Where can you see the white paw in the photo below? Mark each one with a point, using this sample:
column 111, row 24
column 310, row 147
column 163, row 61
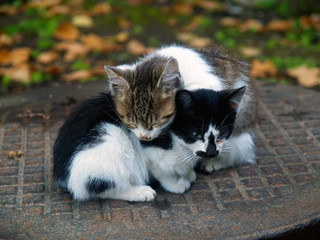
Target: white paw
column 180, row 186
column 142, row 194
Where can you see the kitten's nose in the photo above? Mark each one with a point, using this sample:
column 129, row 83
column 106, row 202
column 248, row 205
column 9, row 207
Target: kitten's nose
column 207, row 154
column 144, row 137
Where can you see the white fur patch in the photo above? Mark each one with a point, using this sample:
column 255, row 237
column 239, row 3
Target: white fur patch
column 195, row 72
column 118, row 158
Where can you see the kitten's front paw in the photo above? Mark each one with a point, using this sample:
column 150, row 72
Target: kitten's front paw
column 142, row 194
column 179, row 187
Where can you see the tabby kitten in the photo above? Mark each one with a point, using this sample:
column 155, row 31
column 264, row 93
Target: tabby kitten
column 147, row 110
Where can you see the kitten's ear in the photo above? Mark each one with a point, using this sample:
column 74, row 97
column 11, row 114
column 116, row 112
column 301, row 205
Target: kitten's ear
column 170, row 79
column 234, row 97
column 184, row 101
column 118, row 85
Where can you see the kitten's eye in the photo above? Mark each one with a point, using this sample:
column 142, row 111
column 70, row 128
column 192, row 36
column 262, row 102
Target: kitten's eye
column 197, row 134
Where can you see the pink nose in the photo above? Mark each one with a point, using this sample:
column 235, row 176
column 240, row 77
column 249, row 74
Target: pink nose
column 144, row 137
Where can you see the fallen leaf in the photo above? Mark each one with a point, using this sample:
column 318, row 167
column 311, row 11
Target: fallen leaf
column 172, row 22
column 77, row 75
column 5, row 40
column 280, row 25
column 209, row 5
column 43, row 3
column 251, row 24
column 8, row 10
column 20, row 73
column 262, row 69
column 47, row 57
column 4, row 56
column 19, row 55
column 100, row 9
column 82, row 21
column 59, row 9
column 308, row 77
column 54, row 70
column 194, row 24
column 230, row 22
column 200, row 42
column 250, row 51
column 194, row 40
column 122, row 37
column 136, row 47
column 67, row 31
column 123, row 23
column 73, row 50
column 185, row 8
column 93, row 41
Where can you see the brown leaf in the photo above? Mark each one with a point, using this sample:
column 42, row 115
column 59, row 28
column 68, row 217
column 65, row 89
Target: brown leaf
column 209, row 5
column 54, row 70
column 82, row 21
column 262, row 69
column 183, row 8
column 4, row 56
column 100, row 9
column 194, row 24
column 136, row 47
column 8, row 10
column 93, row 41
column 194, row 40
column 250, row 51
column 59, row 9
column 230, row 22
column 47, row 57
column 122, row 37
column 72, row 49
column 18, row 73
column 77, row 75
column 123, row 23
column 280, row 25
column 251, row 24
column 43, row 3
column 5, row 40
column 19, row 55
column 67, row 31
column 308, row 77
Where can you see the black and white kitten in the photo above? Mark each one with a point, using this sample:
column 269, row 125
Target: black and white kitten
column 95, row 155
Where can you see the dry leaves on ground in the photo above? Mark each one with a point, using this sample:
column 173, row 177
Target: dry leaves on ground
column 308, row 77
column 82, row 21
column 77, row 75
column 47, row 57
column 137, row 48
column 67, row 31
column 250, row 51
column 262, row 69
column 194, row 40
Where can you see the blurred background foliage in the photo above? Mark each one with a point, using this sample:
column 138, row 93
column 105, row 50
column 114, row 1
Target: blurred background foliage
column 45, row 41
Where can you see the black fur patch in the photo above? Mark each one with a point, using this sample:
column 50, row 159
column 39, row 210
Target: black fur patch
column 81, row 130
column 96, row 185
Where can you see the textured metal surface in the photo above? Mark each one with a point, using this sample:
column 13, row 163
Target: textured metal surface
column 279, row 193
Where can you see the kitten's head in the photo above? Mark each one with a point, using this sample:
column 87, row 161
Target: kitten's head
column 144, row 94
column 205, row 119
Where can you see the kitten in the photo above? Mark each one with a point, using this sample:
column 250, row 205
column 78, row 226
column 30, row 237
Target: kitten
column 203, row 124
column 147, row 111
column 96, row 156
